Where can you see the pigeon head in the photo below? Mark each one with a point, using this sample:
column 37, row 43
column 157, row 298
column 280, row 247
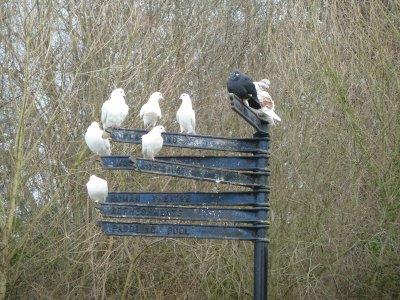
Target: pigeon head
column 266, row 81
column 235, row 75
column 156, row 96
column 184, row 97
column 96, row 124
column 93, row 177
column 158, row 129
column 118, row 92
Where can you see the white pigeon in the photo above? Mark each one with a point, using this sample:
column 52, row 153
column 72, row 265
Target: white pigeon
column 150, row 111
column 186, row 116
column 152, row 142
column 267, row 110
column 262, row 85
column 95, row 141
column 114, row 110
column 97, row 188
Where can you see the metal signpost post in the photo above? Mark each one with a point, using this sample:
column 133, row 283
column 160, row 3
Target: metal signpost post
column 165, row 210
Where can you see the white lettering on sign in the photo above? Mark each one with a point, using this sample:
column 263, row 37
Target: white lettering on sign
column 133, row 228
column 172, row 198
column 146, row 211
column 177, row 231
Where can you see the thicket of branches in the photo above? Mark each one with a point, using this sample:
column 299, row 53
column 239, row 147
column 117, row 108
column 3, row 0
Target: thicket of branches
column 334, row 71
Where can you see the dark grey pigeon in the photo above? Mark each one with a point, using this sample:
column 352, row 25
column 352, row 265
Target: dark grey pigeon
column 242, row 86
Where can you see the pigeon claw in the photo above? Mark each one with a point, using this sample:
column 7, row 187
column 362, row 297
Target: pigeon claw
column 133, row 160
column 186, row 133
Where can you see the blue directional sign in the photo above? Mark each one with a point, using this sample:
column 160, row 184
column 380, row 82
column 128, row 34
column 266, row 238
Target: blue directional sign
column 192, row 198
column 193, row 141
column 254, row 233
column 117, row 162
column 245, row 163
column 251, row 179
column 244, row 215
column 246, row 113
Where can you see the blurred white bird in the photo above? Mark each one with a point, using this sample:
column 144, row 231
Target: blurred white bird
column 97, row 188
column 114, row 110
column 152, row 142
column 186, row 116
column 262, row 85
column 267, row 110
column 150, row 111
column 95, row 141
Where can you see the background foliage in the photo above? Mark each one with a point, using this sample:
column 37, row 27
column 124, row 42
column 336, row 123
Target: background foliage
column 334, row 68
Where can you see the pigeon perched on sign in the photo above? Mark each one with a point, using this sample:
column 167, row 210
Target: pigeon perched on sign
column 150, row 111
column 95, row 141
column 243, row 87
column 152, row 142
column 97, row 188
column 267, row 110
column 114, row 110
column 186, row 116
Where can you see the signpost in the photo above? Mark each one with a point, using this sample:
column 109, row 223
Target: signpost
column 251, row 233
column 194, row 141
column 243, row 163
column 198, row 198
column 243, row 214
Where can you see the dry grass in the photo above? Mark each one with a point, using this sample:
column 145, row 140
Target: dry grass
column 334, row 68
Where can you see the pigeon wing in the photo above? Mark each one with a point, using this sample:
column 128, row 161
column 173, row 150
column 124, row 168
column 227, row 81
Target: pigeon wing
column 177, row 117
column 107, row 145
column 193, row 121
column 104, row 111
column 143, row 110
column 151, row 145
column 251, row 90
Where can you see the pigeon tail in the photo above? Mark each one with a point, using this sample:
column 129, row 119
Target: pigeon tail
column 273, row 115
